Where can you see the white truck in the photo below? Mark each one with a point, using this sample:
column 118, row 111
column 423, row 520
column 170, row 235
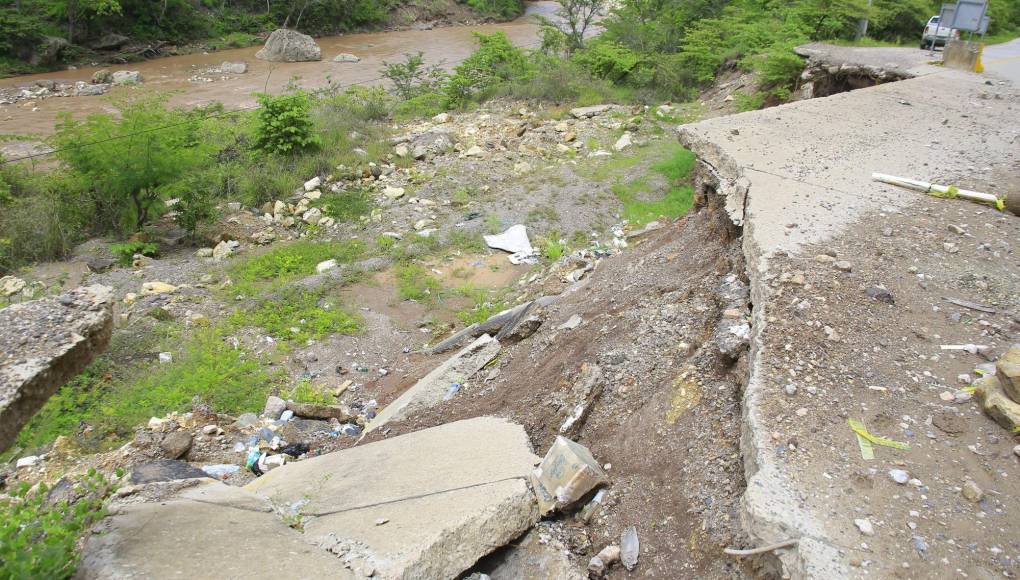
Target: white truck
column 935, row 35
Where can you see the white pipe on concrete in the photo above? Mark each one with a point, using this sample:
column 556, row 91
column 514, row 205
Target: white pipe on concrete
column 944, row 190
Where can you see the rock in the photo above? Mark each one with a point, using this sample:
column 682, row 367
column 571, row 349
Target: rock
column 880, row 294
column 474, row 151
column 899, row 476
column 43, row 344
column 538, row 554
column 102, row 77
column 561, row 148
column 843, row 266
column 176, row 444
column 325, row 265
column 286, row 45
column 97, row 264
column 393, row 192
column 204, row 253
column 313, row 183
column 567, row 473
column 623, row 142
column 111, row 41
column 573, row 322
column 997, row 404
column 164, row 470
column 1016, row 450
column 312, row 216
column 45, row 52
column 275, row 406
column 630, row 548
column 264, row 237
column 601, row 562
column 127, row 77
column 569, row 137
column 323, row 412
column 865, row 527
column 401, row 150
column 157, row 287
column 430, row 390
column 27, row 461
column 313, row 195
column 11, row 285
column 522, row 167
column 165, row 357
column 422, row 224
column 971, row 492
column 237, row 68
column 87, row 90
column 589, row 112
column 223, row 250
column 1007, row 370
column 211, row 430
column 346, row 57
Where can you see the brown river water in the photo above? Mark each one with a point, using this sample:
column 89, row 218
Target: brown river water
column 171, row 74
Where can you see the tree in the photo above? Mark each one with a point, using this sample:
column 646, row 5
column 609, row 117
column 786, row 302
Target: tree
column 576, row 16
column 75, row 11
column 125, row 163
column 412, row 77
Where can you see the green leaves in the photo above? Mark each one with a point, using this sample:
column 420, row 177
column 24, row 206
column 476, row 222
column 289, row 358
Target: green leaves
column 284, row 124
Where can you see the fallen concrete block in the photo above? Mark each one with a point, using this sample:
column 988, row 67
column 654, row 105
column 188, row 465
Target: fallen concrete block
column 449, row 495
column 431, row 389
column 997, row 404
column 567, row 473
column 323, row 412
column 43, row 344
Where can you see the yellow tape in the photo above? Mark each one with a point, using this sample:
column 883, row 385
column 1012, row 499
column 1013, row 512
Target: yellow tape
column 867, row 451
column 859, row 428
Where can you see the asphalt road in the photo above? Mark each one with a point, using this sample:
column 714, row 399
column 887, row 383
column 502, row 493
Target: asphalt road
column 1003, row 60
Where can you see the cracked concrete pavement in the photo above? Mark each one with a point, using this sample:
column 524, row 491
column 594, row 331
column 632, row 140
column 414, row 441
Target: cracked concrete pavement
column 800, row 174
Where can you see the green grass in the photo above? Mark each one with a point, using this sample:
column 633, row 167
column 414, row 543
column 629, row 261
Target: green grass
column 748, row 101
column 305, row 392
column 232, row 40
column 467, row 241
column 415, row 283
column 678, row 199
column 348, row 205
column 297, row 315
column 204, row 366
column 486, row 303
column 287, row 262
column 552, row 246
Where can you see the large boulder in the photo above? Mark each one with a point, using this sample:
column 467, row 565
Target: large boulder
column 286, row 45
column 47, row 52
column 111, row 41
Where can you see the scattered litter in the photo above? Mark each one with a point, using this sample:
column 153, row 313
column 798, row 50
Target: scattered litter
column 863, row 434
column 630, row 548
column 381, row 521
column 165, row 357
column 514, row 240
column 27, row 461
column 295, row 449
column 566, row 475
column 980, row 349
column 971, row 305
column 258, row 462
column 588, row 511
column 220, row 470
column 946, row 191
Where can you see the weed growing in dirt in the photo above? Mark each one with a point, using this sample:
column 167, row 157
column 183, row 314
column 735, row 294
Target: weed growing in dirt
column 599, row 171
column 678, row 199
column 297, row 315
column 749, row 101
column 40, row 537
column 126, row 252
column 348, row 205
column 493, row 223
column 466, row 241
column 286, row 262
column 546, row 213
column 552, row 246
column 415, row 283
column 305, row 392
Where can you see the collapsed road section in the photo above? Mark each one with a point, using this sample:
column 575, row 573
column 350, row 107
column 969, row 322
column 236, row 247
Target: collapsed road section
column 865, row 450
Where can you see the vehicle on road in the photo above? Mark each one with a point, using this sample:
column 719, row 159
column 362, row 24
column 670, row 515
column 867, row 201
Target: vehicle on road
column 939, row 35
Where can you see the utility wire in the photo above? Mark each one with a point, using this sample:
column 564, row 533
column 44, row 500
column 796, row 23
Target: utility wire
column 206, row 117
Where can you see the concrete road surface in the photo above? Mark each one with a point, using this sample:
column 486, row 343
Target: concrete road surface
column 1003, row 60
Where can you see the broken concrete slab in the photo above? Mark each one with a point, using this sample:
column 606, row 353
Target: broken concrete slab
column 431, row 389
column 449, row 495
column 43, row 343
column 207, row 530
column 501, row 324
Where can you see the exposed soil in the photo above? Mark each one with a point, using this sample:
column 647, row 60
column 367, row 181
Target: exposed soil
column 898, row 384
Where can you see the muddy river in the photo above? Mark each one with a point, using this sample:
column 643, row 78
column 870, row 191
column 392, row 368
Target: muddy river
column 173, row 74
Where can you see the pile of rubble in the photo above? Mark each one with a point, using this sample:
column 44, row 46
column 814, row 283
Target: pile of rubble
column 221, row 72
column 101, row 82
column 998, row 389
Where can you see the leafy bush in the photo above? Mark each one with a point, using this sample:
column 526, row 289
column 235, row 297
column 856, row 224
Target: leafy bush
column 305, row 392
column 748, row 101
column 608, row 60
column 349, row 204
column 499, row 9
column 495, row 61
column 124, row 163
column 40, row 536
column 778, row 67
column 284, row 124
column 286, row 262
column 412, row 78
column 126, row 252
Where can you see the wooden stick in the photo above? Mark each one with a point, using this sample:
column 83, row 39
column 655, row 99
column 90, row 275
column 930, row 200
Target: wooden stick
column 761, row 550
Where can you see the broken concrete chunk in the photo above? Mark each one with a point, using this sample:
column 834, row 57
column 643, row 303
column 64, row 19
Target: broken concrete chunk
column 450, row 495
column 323, row 412
column 431, row 389
column 43, row 343
column 164, row 470
column 630, row 548
column 1007, row 370
column 566, row 475
column 587, row 389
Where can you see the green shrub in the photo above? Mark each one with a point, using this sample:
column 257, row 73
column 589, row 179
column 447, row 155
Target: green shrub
column 233, row 40
column 43, row 219
column 348, row 205
column 305, row 392
column 412, row 78
column 284, row 124
column 748, row 101
column 415, row 283
column 498, row 9
column 608, row 60
column 778, row 67
column 286, row 262
column 495, row 61
column 40, row 537
column 297, row 315
column 126, row 251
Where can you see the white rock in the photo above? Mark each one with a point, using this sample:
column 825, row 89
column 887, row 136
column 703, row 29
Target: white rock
column 324, row 266
column 165, row 357
column 222, row 251
column 561, row 148
column 474, row 151
column 11, row 285
column 422, row 224
column 27, row 461
column 623, row 142
column 393, row 192
column 152, row 288
column 312, row 216
column 401, row 150
column 346, row 57
column 522, row 167
column 155, row 423
column 313, row 183
column 899, row 476
column 441, row 118
column 236, row 68
column 865, row 527
column 127, row 77
column 313, row 195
